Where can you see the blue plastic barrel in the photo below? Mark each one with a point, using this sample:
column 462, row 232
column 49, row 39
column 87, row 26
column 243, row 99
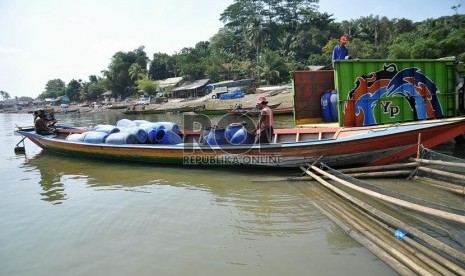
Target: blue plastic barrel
column 106, row 128
column 205, row 133
column 161, row 125
column 140, row 122
column 216, row 137
column 167, row 137
column 121, row 138
column 241, row 137
column 95, row 137
column 325, row 106
column 76, row 137
column 140, row 133
column 333, row 106
column 231, row 130
column 151, row 135
column 125, row 123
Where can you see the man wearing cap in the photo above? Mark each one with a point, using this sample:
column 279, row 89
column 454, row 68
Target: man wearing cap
column 341, row 51
column 264, row 128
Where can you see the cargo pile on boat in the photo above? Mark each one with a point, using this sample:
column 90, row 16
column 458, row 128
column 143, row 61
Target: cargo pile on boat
column 145, row 132
column 131, row 132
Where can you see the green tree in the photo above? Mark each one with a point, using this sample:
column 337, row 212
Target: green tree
column 190, row 64
column 256, row 34
column 136, row 72
column 5, row 95
column 269, row 66
column 162, row 66
column 73, row 90
column 53, row 89
column 147, row 86
column 118, row 79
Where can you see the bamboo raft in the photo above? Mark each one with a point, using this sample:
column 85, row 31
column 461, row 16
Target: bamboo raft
column 405, row 248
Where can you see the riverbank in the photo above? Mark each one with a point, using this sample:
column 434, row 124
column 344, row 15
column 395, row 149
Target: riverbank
column 274, row 95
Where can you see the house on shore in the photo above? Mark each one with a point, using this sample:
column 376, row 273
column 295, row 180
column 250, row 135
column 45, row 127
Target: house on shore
column 191, row 90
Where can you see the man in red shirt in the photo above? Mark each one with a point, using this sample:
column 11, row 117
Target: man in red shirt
column 264, row 128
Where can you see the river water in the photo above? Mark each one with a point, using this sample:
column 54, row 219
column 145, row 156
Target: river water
column 70, row 216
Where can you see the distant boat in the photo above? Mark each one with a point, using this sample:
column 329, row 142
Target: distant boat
column 75, row 110
column 256, row 112
column 116, row 106
column 224, row 111
column 220, row 111
column 160, row 111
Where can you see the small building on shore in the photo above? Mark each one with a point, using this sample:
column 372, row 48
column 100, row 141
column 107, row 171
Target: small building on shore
column 191, row 90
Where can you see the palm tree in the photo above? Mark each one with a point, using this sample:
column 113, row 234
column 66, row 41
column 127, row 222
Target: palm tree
column 136, row 72
column 255, row 33
column 270, row 61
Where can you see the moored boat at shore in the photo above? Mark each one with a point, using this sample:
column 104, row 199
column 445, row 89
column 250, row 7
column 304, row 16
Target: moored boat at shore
column 335, row 146
column 381, row 111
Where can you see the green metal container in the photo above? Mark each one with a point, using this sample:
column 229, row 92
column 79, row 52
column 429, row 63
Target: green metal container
column 372, row 92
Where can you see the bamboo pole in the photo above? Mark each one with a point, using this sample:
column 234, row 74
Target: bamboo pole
column 438, row 162
column 442, row 173
column 380, row 174
column 370, row 245
column 443, row 262
column 379, row 168
column 392, row 220
column 457, row 189
column 403, row 203
column 412, row 261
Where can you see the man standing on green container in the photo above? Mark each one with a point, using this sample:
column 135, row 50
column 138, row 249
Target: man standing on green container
column 341, row 51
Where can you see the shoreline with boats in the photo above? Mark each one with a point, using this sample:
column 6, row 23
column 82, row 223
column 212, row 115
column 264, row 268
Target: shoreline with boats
column 275, row 95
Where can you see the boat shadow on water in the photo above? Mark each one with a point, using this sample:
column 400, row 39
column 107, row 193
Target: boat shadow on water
column 56, row 172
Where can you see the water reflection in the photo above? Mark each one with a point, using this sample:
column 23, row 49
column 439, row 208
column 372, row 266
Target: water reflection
column 256, row 208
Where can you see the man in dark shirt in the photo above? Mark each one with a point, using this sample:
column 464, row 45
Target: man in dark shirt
column 41, row 125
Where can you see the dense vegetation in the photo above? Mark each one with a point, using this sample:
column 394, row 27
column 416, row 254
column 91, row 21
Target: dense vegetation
column 266, row 39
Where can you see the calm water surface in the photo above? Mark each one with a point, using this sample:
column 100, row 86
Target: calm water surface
column 68, row 216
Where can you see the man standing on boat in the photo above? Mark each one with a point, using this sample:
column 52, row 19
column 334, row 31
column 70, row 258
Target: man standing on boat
column 264, row 127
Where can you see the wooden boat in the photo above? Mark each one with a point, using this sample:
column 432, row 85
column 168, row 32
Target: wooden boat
column 74, row 110
column 116, row 106
column 223, row 111
column 385, row 115
column 144, row 111
column 256, row 112
column 335, row 146
column 160, row 111
column 212, row 111
column 283, row 111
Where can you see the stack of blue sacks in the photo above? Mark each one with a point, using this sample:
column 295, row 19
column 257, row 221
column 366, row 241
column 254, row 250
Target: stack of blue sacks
column 236, row 94
column 131, row 132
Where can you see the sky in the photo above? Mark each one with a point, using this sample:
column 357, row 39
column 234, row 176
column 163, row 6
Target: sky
column 42, row 40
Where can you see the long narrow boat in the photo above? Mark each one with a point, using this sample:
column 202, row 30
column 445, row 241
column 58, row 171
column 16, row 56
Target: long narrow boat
column 204, row 111
column 160, row 111
column 383, row 109
column 335, row 146
column 144, row 111
column 223, row 111
column 256, row 112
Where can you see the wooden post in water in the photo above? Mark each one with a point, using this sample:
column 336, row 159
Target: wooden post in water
column 418, row 145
